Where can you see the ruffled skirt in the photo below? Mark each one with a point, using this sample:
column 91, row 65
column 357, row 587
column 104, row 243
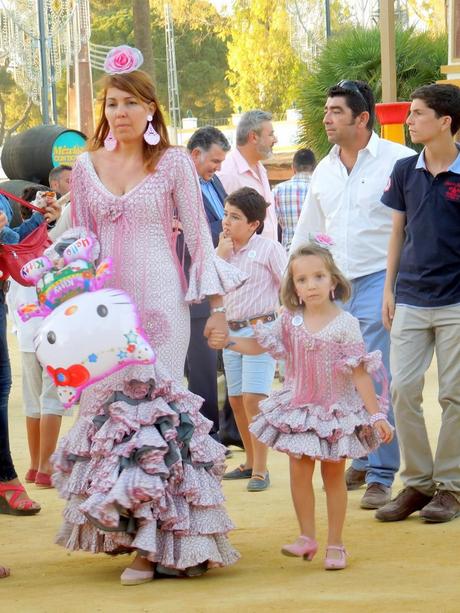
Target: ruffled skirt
column 144, row 475
column 342, row 431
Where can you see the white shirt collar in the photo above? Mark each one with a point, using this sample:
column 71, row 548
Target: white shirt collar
column 372, row 146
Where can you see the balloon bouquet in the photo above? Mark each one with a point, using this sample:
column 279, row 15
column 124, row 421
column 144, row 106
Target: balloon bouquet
column 138, row 468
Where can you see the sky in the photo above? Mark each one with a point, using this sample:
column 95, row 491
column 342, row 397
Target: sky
column 220, row 4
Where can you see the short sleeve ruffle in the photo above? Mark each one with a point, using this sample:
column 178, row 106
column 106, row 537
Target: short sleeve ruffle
column 216, row 277
column 357, row 355
column 271, row 339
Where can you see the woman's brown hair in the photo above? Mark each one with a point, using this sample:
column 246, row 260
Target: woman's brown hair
column 342, row 289
column 140, row 85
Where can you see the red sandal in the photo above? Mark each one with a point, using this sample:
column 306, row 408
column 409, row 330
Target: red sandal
column 15, row 505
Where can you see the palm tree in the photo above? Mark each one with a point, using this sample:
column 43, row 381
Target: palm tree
column 355, row 54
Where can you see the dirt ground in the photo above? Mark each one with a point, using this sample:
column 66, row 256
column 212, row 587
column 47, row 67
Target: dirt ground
column 407, row 566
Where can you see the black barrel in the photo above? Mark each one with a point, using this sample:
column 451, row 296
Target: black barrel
column 31, row 155
column 16, row 188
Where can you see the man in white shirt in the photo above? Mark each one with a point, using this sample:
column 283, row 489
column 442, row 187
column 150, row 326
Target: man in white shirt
column 242, row 167
column 344, row 201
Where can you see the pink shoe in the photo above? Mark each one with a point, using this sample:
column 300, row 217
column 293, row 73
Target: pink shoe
column 131, row 576
column 43, row 480
column 304, row 546
column 30, row 475
column 335, row 563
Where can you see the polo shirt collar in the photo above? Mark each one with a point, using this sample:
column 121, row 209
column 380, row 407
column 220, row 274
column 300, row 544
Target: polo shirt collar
column 372, row 146
column 454, row 167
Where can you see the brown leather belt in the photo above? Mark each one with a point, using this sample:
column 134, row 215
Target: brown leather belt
column 244, row 323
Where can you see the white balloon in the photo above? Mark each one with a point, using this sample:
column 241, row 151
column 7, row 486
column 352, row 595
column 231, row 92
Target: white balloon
column 89, row 337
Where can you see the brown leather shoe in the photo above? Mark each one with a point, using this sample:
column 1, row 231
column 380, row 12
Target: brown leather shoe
column 375, row 496
column 444, row 506
column 355, row 478
column 406, row 502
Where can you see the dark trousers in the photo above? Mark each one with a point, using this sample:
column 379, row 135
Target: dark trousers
column 201, row 371
column 229, row 434
column 7, row 472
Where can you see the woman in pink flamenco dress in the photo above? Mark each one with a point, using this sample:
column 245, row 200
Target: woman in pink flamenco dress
column 132, row 189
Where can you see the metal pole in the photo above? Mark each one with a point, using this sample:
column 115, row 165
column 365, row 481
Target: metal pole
column 54, row 108
column 327, row 7
column 173, row 87
column 43, row 62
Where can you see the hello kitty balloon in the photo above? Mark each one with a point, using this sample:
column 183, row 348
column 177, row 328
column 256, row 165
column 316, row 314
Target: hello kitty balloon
column 87, row 332
column 89, row 337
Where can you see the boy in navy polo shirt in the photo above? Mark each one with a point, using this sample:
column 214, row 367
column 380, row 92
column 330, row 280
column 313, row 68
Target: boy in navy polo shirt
column 422, row 304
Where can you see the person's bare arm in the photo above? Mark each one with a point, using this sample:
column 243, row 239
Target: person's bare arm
column 394, row 254
column 366, row 390
column 247, row 346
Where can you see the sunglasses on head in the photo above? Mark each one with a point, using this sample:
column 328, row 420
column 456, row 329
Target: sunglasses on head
column 351, row 86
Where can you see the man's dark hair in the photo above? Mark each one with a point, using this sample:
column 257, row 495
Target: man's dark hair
column 28, row 194
column 303, row 160
column 204, row 138
column 56, row 172
column 444, row 99
column 250, row 203
column 359, row 98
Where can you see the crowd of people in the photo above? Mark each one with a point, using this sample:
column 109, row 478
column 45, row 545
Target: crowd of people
column 346, row 278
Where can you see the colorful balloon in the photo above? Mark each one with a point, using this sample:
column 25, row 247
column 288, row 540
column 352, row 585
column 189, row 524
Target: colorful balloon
column 87, row 332
column 89, row 337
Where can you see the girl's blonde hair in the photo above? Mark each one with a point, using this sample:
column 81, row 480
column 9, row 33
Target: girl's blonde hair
column 342, row 288
column 139, row 84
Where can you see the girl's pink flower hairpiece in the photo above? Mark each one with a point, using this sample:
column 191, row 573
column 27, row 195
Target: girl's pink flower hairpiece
column 123, row 59
column 322, row 240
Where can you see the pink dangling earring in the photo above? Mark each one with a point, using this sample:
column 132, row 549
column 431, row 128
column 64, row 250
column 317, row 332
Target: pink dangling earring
column 300, row 301
column 110, row 142
column 332, row 294
column 151, row 136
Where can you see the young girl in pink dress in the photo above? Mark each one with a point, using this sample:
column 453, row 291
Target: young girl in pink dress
column 327, row 409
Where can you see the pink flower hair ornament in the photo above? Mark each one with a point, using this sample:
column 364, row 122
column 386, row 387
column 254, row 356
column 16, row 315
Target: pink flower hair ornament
column 322, row 240
column 123, row 59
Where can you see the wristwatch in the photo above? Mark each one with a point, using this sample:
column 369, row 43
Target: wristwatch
column 221, row 309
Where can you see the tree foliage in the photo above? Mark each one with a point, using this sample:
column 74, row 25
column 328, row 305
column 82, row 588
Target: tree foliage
column 200, row 51
column 263, row 67
column 355, row 54
column 16, row 111
column 432, row 13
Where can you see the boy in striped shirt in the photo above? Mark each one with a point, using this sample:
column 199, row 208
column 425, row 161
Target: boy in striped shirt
column 250, row 378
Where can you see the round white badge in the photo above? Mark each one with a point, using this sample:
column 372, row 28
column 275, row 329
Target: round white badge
column 252, row 254
column 297, row 320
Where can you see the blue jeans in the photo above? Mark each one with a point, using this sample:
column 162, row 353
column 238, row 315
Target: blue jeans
column 7, row 472
column 366, row 305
